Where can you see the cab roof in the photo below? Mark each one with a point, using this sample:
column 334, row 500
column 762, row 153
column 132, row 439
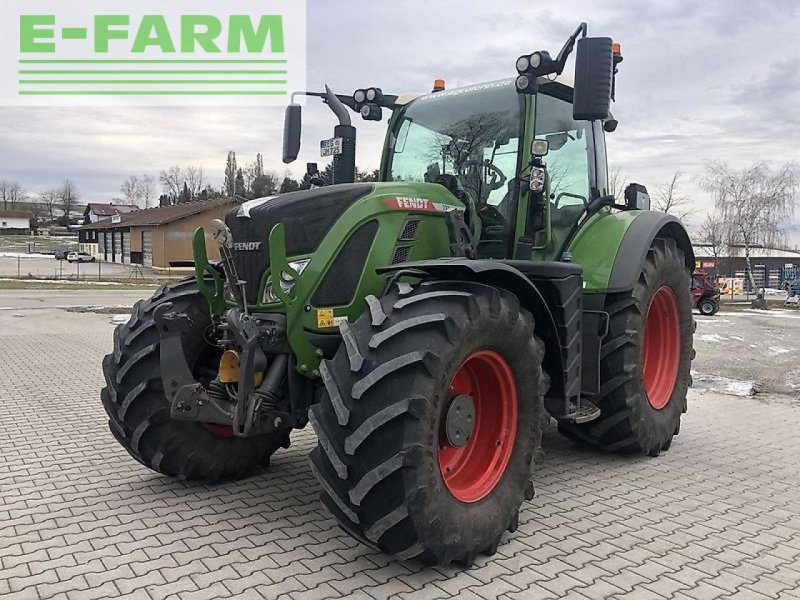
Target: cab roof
column 565, row 82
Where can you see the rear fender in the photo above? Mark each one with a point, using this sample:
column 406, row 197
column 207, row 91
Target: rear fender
column 636, row 242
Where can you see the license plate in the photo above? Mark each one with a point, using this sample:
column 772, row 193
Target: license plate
column 330, row 147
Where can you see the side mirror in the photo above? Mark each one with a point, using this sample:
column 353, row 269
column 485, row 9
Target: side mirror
column 594, row 77
column 636, row 197
column 292, row 127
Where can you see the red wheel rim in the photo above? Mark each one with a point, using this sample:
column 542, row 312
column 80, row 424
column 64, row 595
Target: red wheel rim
column 220, row 430
column 473, row 470
column 661, row 350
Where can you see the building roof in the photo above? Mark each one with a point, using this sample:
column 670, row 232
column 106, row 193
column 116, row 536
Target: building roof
column 110, row 209
column 702, row 250
column 161, row 215
column 15, row 214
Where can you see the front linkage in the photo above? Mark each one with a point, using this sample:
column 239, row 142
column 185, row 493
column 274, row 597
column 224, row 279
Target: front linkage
column 259, row 349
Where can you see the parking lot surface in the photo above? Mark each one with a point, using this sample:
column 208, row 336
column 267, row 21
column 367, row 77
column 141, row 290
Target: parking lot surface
column 715, row 517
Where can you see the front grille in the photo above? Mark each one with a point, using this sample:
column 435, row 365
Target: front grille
column 307, row 216
column 410, row 230
column 401, row 254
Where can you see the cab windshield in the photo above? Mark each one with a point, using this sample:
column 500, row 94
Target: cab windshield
column 467, row 140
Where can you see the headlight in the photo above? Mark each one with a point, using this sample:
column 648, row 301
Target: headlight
column 287, row 283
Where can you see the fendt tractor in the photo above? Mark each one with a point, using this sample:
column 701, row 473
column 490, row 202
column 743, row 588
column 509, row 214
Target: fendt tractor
column 427, row 325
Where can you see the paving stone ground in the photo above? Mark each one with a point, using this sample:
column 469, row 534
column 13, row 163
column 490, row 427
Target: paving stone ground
column 715, row 517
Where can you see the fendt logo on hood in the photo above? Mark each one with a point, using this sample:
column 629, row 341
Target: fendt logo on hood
column 247, row 246
column 418, row 204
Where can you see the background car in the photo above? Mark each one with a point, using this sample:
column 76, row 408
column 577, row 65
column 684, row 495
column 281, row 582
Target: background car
column 80, row 257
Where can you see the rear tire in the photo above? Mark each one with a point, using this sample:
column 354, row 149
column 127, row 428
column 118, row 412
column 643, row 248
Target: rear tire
column 386, row 474
column 641, row 401
column 139, row 412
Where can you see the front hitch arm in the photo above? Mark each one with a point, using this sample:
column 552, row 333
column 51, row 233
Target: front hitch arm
column 247, row 335
column 187, row 396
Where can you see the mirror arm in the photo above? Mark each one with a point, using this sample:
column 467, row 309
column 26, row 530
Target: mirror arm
column 336, row 105
column 561, row 59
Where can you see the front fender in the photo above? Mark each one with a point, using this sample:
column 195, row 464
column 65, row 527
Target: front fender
column 560, row 330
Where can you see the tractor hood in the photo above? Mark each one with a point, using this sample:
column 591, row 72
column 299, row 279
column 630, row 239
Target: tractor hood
column 307, row 216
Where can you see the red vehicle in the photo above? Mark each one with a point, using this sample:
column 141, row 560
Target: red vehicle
column 705, row 293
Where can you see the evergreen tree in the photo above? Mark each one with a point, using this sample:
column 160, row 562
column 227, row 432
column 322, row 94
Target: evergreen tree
column 259, row 171
column 230, row 174
column 289, row 185
column 186, row 195
column 265, row 185
column 240, row 189
column 327, row 174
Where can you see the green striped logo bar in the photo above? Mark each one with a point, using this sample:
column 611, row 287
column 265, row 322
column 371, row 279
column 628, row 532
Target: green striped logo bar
column 151, row 53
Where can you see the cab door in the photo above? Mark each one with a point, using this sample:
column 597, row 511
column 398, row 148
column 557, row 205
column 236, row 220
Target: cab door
column 576, row 168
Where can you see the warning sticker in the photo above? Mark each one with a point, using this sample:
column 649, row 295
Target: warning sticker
column 325, row 318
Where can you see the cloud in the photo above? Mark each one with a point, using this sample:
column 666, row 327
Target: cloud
column 700, row 81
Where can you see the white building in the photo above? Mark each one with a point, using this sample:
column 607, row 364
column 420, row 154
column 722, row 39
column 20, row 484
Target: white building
column 15, row 221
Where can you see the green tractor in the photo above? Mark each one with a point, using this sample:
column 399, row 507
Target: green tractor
column 427, row 325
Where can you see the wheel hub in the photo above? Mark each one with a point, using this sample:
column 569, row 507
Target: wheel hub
column 460, row 420
column 661, row 348
column 478, row 427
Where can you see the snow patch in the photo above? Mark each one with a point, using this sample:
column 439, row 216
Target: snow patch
column 65, row 281
column 120, row 319
column 713, row 338
column 22, row 255
column 775, row 313
column 776, row 350
column 723, row 385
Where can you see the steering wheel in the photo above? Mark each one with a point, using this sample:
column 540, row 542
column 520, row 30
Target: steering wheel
column 498, row 179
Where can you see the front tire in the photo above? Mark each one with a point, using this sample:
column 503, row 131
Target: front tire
column 707, row 308
column 139, row 412
column 645, row 360
column 395, row 469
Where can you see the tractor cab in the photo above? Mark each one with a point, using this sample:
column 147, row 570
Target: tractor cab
column 471, row 140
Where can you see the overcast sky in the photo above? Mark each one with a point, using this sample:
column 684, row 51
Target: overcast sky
column 700, row 81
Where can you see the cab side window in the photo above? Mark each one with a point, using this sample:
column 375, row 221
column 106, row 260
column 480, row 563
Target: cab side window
column 570, row 162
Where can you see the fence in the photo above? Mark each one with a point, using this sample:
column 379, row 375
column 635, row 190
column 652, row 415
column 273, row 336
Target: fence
column 45, row 267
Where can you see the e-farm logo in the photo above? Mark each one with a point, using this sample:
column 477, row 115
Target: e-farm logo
column 148, row 52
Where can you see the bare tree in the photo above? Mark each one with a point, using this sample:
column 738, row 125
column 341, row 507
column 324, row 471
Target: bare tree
column 11, row 192
column 668, row 198
column 131, row 190
column 49, row 199
column 195, row 181
column 147, row 190
column 616, row 181
column 36, row 209
column 250, row 173
column 172, row 183
column 755, row 203
column 713, row 232
column 67, row 197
